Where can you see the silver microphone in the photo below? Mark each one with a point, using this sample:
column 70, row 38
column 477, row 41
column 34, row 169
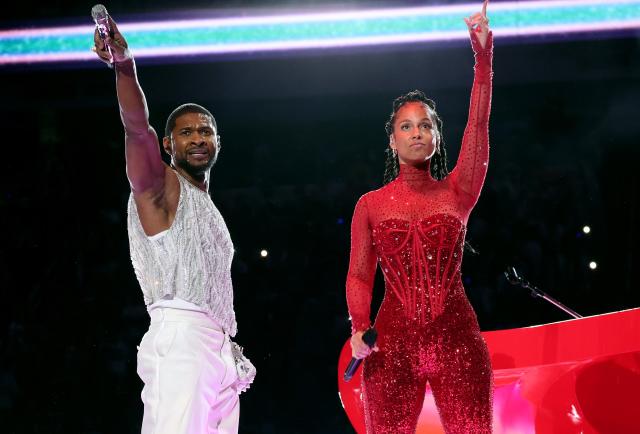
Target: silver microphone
column 101, row 18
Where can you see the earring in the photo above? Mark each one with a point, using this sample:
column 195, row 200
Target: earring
column 394, row 151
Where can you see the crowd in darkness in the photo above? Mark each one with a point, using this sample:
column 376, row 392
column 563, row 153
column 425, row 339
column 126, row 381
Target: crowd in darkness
column 289, row 174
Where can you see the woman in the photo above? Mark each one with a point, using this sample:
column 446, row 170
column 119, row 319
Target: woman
column 414, row 227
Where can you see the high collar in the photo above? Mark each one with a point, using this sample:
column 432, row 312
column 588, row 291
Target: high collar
column 416, row 176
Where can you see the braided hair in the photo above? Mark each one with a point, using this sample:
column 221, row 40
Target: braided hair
column 438, row 161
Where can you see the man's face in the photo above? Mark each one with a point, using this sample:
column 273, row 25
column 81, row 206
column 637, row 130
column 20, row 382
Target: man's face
column 193, row 144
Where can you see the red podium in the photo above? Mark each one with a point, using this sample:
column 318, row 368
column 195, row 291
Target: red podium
column 580, row 376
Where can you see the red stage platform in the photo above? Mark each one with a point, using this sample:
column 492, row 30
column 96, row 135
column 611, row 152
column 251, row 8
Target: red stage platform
column 579, row 376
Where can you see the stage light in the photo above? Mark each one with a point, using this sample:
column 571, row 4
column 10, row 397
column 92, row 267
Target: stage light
column 264, row 253
column 586, row 229
column 593, row 265
column 250, row 34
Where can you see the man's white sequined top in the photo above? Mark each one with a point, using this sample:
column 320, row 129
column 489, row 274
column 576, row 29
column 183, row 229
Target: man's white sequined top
column 191, row 260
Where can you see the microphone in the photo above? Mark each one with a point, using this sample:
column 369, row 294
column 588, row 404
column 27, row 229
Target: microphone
column 512, row 276
column 101, row 18
column 369, row 337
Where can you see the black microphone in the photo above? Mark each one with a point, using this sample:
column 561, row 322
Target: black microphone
column 101, row 18
column 369, row 337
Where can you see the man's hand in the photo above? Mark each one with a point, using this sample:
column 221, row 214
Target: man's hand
column 478, row 23
column 115, row 43
column 359, row 349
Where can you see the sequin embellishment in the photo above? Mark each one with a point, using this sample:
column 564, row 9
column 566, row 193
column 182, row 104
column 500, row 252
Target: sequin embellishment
column 420, row 260
column 414, row 228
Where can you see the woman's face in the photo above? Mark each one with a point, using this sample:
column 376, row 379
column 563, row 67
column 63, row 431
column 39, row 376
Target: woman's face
column 414, row 136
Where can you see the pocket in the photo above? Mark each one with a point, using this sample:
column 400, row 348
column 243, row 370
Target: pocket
column 164, row 339
column 144, row 357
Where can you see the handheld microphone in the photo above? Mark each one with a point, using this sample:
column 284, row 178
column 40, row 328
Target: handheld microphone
column 369, row 337
column 101, row 18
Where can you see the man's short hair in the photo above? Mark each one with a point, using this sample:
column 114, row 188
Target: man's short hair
column 186, row 108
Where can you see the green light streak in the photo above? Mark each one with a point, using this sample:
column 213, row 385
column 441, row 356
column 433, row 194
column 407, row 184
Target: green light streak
column 335, row 29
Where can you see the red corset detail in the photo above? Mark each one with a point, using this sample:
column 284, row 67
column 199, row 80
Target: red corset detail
column 420, row 260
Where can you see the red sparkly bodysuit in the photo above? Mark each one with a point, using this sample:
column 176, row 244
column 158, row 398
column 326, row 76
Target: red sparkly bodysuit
column 414, row 228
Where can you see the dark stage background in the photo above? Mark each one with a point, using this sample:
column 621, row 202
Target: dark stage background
column 302, row 138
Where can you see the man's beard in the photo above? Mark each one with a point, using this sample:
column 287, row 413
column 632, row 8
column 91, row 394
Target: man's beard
column 200, row 170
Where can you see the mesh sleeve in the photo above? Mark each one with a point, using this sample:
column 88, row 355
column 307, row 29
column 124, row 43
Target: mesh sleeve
column 362, row 268
column 471, row 168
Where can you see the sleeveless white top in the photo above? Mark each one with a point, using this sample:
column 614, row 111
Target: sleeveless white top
column 190, row 261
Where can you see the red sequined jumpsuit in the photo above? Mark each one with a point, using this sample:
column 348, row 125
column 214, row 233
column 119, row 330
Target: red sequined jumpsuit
column 414, row 227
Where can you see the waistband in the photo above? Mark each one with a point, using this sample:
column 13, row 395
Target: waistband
column 201, row 319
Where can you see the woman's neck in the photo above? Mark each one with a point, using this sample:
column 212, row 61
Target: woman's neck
column 416, row 176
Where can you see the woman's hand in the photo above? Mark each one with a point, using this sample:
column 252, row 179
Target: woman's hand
column 359, row 349
column 478, row 23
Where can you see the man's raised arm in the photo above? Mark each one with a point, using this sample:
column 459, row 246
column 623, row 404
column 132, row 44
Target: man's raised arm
column 145, row 169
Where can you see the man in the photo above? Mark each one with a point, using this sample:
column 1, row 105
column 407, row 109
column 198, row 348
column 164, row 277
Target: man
column 181, row 253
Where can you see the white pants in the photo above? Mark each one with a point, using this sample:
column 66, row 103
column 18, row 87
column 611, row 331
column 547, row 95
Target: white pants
column 189, row 374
